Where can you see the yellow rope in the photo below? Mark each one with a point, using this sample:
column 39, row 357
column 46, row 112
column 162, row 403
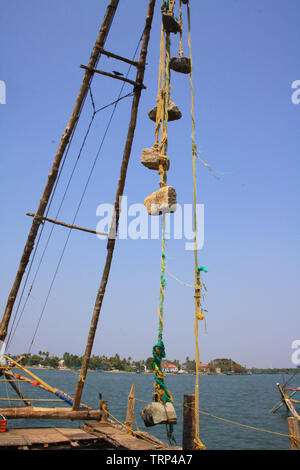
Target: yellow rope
column 253, row 428
column 160, row 94
column 161, row 145
column 171, row 7
column 180, row 22
column 198, row 314
column 247, row 426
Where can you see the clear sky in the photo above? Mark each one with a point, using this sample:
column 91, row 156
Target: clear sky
column 246, row 57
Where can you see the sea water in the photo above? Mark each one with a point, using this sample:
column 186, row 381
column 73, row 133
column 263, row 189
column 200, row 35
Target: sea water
column 234, row 409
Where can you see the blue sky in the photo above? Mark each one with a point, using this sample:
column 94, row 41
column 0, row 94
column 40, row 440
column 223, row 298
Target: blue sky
column 246, row 58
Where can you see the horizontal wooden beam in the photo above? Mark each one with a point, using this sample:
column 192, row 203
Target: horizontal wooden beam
column 31, row 412
column 111, row 75
column 118, row 57
column 75, row 227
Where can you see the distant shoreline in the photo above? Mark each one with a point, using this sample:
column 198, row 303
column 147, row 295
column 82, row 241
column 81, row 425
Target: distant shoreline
column 274, row 371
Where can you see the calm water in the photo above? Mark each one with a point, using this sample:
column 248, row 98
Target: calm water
column 244, row 399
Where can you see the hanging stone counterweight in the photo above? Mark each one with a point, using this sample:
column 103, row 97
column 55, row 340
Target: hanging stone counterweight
column 173, row 112
column 180, row 64
column 162, row 201
column 157, row 413
column 152, row 159
column 171, row 25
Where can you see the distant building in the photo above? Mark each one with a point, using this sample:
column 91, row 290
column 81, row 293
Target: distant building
column 167, row 367
column 204, row 368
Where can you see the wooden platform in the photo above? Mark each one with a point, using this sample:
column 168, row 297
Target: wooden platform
column 117, row 437
column 46, row 438
column 93, row 435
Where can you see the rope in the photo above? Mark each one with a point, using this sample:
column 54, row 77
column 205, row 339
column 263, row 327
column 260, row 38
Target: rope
column 198, row 314
column 161, row 393
column 180, row 22
column 247, row 426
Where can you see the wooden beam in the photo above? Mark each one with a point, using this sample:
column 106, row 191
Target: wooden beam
column 52, row 177
column 130, row 409
column 291, row 408
column 118, row 198
column 118, row 57
column 117, row 77
column 188, row 431
column 75, row 227
column 31, row 412
column 16, row 389
column 104, row 409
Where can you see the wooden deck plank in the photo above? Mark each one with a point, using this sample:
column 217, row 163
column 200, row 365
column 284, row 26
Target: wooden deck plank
column 119, row 438
column 92, row 433
column 43, row 436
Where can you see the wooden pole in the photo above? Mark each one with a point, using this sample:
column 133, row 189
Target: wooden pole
column 111, row 75
column 286, row 399
column 119, row 193
column 31, row 412
column 103, row 408
column 294, row 433
column 17, row 389
column 103, row 33
column 75, row 227
column 130, row 409
column 189, row 428
column 118, row 57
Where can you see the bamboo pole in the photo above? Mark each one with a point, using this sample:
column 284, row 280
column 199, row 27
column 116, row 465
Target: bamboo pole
column 130, row 409
column 64, row 224
column 118, row 57
column 41, row 383
column 31, row 412
column 119, row 193
column 17, row 390
column 111, row 75
column 102, row 35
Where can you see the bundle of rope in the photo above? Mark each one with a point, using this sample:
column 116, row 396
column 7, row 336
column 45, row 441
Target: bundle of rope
column 161, row 392
column 157, row 160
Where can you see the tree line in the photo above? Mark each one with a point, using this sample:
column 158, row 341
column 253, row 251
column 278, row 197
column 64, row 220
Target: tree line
column 73, row 361
column 105, row 363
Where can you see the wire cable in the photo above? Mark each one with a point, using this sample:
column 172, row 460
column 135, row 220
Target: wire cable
column 115, row 103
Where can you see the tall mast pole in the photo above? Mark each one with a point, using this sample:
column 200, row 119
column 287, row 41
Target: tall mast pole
column 95, row 55
column 118, row 197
